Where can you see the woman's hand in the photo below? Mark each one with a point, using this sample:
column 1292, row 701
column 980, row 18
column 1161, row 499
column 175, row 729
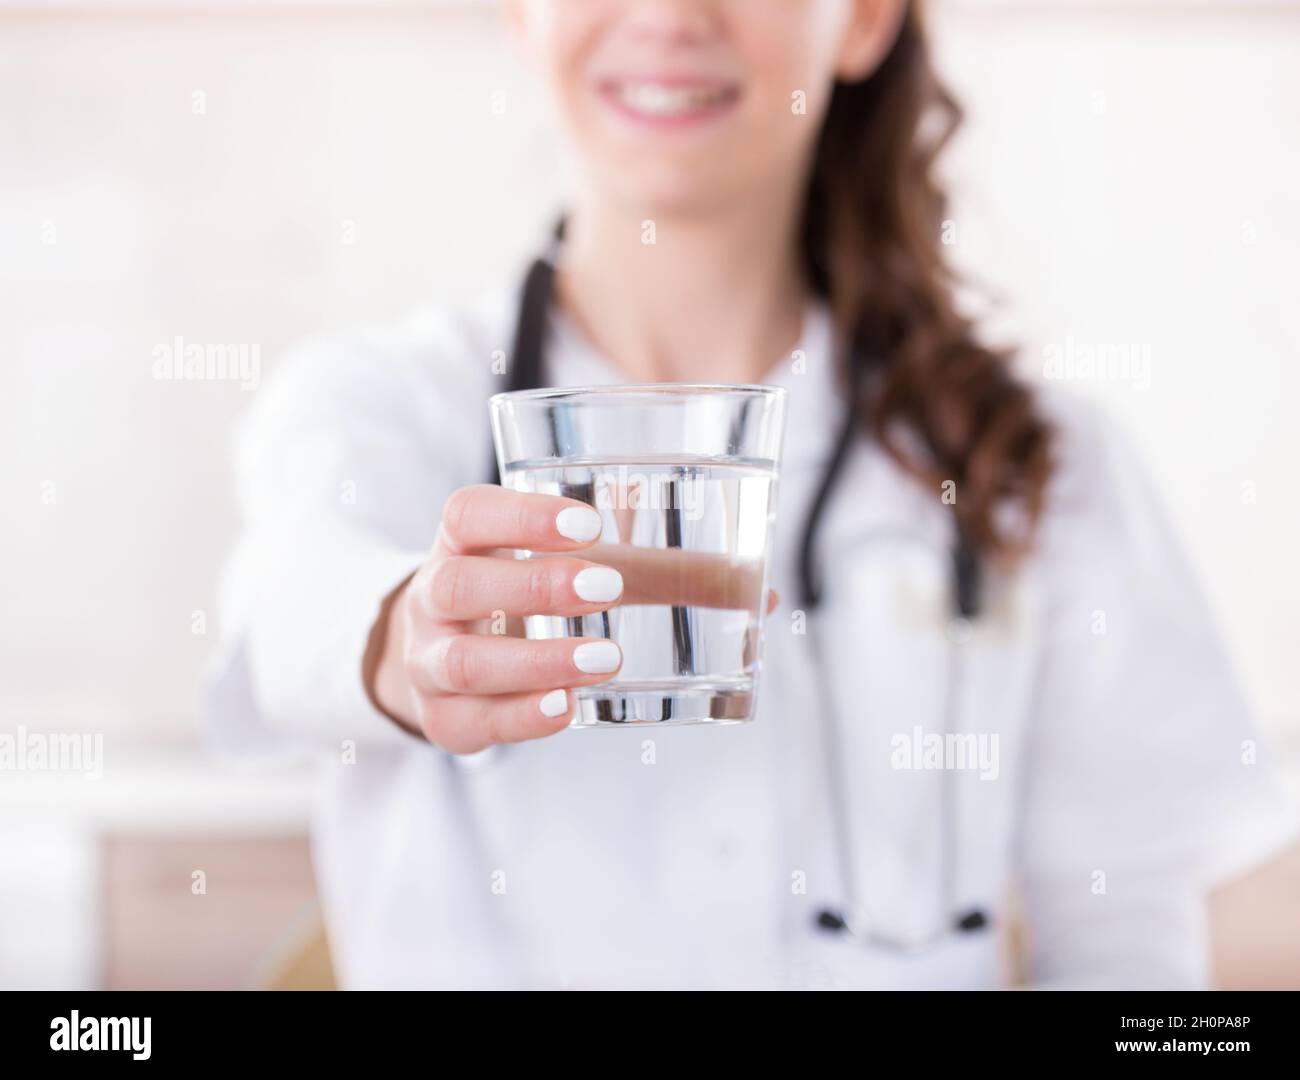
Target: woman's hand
column 432, row 667
column 465, row 690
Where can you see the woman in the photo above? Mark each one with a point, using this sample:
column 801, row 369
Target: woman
column 757, row 205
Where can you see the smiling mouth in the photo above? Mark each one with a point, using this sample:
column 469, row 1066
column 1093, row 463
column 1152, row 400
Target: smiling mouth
column 669, row 102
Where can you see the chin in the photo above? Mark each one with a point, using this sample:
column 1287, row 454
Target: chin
column 671, row 192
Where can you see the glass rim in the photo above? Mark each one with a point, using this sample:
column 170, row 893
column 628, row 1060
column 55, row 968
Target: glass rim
column 630, row 390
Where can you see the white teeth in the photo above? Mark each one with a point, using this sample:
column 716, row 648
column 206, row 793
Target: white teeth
column 654, row 99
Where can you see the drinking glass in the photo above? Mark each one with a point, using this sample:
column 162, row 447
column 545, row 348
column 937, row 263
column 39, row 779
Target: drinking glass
column 684, row 478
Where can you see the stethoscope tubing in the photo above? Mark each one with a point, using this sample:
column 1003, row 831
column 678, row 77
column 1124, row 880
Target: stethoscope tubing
column 526, row 371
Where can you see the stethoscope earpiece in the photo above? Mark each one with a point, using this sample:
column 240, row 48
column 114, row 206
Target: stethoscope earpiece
column 834, row 922
column 830, row 920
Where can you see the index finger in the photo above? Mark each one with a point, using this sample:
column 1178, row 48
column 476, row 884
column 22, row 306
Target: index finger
column 680, row 578
column 483, row 517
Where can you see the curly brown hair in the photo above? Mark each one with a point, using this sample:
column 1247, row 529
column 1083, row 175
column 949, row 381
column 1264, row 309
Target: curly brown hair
column 873, row 248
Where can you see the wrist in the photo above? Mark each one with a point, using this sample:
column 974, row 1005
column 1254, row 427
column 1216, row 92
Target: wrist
column 383, row 673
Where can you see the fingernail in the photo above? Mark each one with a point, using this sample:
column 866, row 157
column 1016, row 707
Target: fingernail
column 556, row 703
column 580, row 523
column 597, row 657
column 598, row 584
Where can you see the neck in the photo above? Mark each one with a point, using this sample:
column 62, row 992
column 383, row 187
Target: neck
column 714, row 298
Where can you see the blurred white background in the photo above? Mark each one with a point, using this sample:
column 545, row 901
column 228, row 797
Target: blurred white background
column 252, row 174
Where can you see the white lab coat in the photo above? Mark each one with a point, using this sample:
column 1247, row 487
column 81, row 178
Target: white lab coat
column 698, row 856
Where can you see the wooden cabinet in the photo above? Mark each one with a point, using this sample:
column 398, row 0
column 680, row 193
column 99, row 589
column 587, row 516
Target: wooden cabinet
column 203, row 911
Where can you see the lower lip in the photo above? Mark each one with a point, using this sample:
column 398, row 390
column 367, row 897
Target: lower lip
column 689, row 118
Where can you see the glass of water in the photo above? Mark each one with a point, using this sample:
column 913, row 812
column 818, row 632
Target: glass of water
column 684, row 478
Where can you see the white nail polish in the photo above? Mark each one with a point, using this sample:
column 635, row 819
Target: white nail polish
column 597, row 657
column 556, row 703
column 598, row 584
column 580, row 523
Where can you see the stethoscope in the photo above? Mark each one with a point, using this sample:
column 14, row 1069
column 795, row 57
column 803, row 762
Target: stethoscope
column 852, row 921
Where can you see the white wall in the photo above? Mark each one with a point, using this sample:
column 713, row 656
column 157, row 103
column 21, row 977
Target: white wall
column 1131, row 175
column 1128, row 175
